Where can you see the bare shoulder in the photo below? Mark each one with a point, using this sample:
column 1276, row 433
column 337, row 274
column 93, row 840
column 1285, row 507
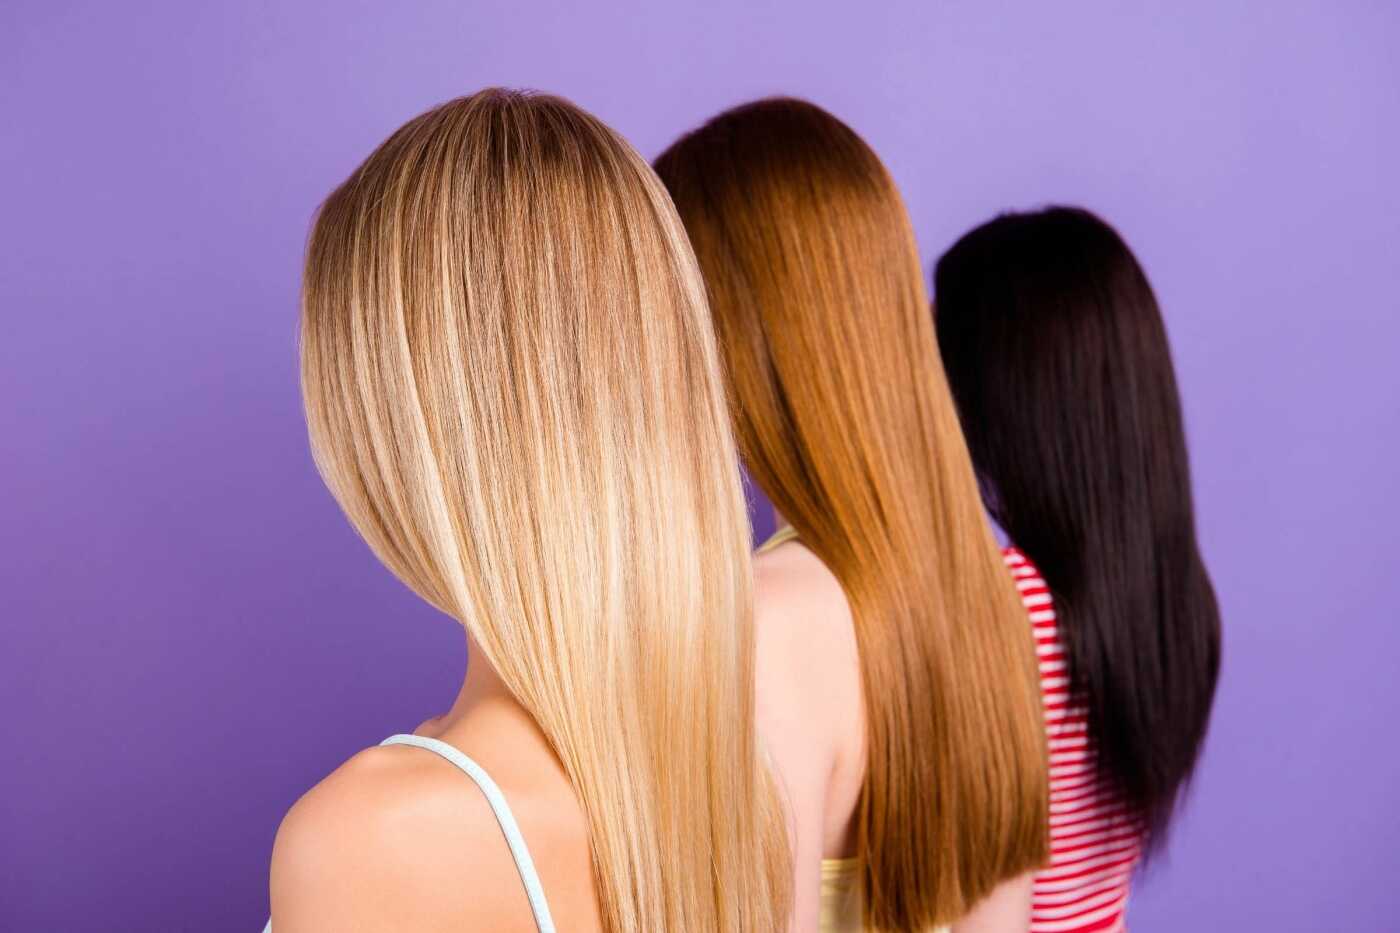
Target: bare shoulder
column 807, row 659
column 809, row 706
column 800, row 607
column 395, row 838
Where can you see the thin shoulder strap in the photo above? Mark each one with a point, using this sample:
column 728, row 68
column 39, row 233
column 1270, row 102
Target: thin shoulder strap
column 782, row 536
column 523, row 863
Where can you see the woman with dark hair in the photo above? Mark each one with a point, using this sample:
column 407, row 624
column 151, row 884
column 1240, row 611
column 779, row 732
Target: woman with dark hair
column 1058, row 360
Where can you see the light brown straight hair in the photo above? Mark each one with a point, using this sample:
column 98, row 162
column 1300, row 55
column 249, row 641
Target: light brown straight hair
column 845, row 419
column 513, row 390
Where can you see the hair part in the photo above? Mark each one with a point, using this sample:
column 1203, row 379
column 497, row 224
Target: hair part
column 1058, row 357
column 845, row 420
column 513, row 390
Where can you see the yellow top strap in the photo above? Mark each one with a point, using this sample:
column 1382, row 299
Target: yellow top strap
column 782, row 536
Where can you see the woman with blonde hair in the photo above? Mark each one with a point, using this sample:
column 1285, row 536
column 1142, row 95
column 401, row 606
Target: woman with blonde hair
column 514, row 393
column 897, row 673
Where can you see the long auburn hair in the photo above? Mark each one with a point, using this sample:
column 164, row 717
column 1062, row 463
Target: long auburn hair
column 1058, row 358
column 845, row 420
column 514, row 392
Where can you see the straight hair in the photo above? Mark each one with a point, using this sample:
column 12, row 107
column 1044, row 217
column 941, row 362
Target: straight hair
column 1059, row 361
column 513, row 390
column 845, row 420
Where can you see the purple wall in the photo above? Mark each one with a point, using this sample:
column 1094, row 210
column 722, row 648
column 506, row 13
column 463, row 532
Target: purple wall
column 190, row 635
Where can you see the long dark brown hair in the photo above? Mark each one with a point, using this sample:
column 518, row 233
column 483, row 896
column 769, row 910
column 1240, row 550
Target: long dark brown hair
column 845, row 419
column 1058, row 358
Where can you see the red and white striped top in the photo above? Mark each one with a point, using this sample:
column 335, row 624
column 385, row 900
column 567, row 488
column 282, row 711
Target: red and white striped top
column 1094, row 842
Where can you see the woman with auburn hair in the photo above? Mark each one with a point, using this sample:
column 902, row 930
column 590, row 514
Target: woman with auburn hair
column 1058, row 357
column 897, row 677
column 514, row 393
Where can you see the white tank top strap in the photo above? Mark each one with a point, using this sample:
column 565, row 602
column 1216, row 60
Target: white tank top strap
column 497, row 801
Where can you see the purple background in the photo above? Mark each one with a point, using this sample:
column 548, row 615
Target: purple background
column 190, row 635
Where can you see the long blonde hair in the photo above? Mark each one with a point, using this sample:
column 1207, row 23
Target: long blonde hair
column 845, row 419
column 514, row 392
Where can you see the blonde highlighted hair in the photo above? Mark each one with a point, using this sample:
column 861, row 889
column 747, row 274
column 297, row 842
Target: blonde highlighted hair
column 514, row 392
column 846, row 421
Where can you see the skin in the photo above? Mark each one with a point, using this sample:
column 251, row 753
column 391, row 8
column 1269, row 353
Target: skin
column 399, row 839
column 810, row 710
column 811, row 716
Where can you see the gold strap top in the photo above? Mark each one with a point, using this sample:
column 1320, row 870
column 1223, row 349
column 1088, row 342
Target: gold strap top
column 782, row 536
column 842, row 900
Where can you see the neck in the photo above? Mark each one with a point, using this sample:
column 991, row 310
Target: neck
column 489, row 723
column 482, row 685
